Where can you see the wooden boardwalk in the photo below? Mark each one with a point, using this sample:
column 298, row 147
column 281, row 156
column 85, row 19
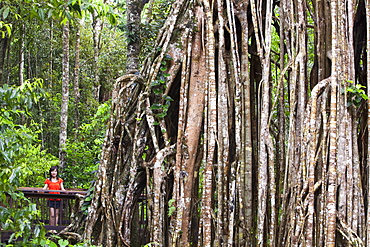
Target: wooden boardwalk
column 39, row 197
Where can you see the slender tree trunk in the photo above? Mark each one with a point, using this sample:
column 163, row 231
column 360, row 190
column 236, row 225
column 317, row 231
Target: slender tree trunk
column 21, row 56
column 368, row 112
column 266, row 177
column 134, row 8
column 210, row 126
column 4, row 45
column 65, row 96
column 76, row 79
column 51, row 56
column 3, row 48
column 97, row 26
column 243, row 126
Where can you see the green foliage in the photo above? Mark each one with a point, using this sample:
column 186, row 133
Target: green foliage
column 87, row 202
column 355, row 94
column 34, row 164
column 82, row 163
column 154, row 17
column 56, row 9
column 5, row 29
column 83, row 153
column 171, row 207
column 14, row 104
column 36, row 26
column 58, row 242
column 158, row 87
column 112, row 57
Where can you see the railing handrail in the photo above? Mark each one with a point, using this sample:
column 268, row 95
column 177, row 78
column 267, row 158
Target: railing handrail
column 41, row 193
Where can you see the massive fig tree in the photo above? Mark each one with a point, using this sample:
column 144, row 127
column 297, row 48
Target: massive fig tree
column 246, row 126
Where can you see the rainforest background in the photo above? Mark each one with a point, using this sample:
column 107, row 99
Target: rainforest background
column 241, row 123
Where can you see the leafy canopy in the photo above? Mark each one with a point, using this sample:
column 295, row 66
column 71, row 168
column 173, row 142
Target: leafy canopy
column 15, row 103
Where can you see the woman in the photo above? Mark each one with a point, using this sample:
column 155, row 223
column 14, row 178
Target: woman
column 54, row 182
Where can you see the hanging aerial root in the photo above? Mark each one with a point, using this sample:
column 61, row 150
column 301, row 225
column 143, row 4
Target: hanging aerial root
column 77, row 216
column 347, row 233
column 126, row 81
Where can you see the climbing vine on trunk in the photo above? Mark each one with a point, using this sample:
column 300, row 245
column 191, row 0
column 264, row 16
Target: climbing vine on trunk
column 241, row 129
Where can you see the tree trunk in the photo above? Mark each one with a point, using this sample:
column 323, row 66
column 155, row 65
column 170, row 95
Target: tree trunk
column 4, row 45
column 243, row 133
column 234, row 134
column 134, row 8
column 21, row 56
column 368, row 113
column 97, row 26
column 76, row 79
column 188, row 148
column 65, row 96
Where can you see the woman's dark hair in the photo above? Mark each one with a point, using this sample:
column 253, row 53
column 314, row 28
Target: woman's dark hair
column 52, row 169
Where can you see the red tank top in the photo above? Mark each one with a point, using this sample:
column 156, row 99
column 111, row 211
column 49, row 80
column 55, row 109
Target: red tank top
column 54, row 186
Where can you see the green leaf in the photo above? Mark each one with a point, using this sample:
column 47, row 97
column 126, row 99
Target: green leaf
column 63, row 242
column 162, row 115
column 168, row 57
column 112, row 19
column 50, row 13
column 6, row 11
column 41, row 14
column 167, row 98
column 171, row 210
column 156, row 106
column 157, row 91
column 64, row 21
column 155, row 83
column 14, row 175
column 36, row 231
column 52, row 244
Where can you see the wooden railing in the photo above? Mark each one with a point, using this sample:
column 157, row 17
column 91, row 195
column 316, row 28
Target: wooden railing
column 68, row 200
column 40, row 197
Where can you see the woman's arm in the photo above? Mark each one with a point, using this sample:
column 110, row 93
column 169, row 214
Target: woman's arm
column 45, row 187
column 62, row 186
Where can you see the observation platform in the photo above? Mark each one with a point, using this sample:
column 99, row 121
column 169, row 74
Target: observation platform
column 40, row 196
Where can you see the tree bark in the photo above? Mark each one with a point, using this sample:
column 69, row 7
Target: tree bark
column 251, row 151
column 4, row 45
column 21, row 56
column 368, row 111
column 76, row 79
column 65, row 97
column 243, row 130
column 134, row 8
column 189, row 146
column 97, row 27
